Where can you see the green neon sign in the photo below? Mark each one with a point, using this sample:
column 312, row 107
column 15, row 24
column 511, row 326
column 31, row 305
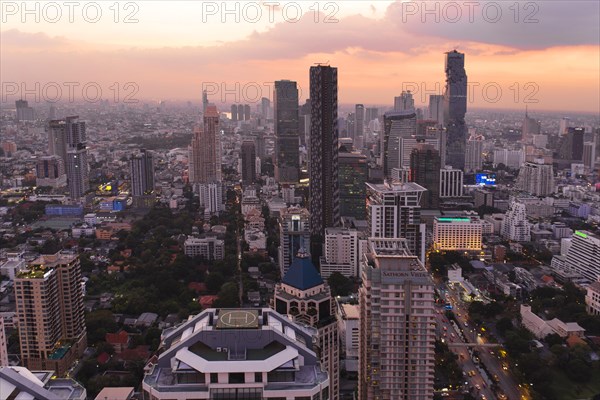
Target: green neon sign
column 581, row 234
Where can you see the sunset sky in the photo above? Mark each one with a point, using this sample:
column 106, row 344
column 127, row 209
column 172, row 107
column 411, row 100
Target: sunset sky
column 379, row 47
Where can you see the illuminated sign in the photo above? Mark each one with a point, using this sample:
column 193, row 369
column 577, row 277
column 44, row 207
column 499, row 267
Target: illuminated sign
column 581, row 234
column 484, row 179
column 445, row 219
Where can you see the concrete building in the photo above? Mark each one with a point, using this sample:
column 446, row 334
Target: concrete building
column 474, row 153
column 3, row 345
column 451, row 183
column 397, row 322
column 19, row 383
column 349, row 328
column 208, row 247
column 592, row 298
column 353, row 173
column 537, row 179
column 541, row 328
column 50, row 171
column 510, row 158
column 436, row 108
column 425, row 165
column 211, row 198
column 394, row 211
column 455, row 108
column 240, row 354
column 583, row 256
column 50, row 312
column 306, row 299
column 248, row 162
column 341, row 252
column 515, row 226
column 462, row 233
column 294, row 234
column 141, row 168
column 397, row 125
column 205, row 150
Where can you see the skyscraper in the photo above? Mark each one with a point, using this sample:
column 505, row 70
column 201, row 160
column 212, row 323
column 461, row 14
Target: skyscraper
column 76, row 157
column 306, row 298
column 287, row 155
column 248, row 158
column 473, row 155
column 323, row 167
column 24, row 112
column 397, row 333
column 359, row 124
column 530, row 127
column 265, row 106
column 141, row 167
column 425, row 170
column 396, row 126
column 353, row 173
column 404, row 102
column 583, row 257
column 436, row 108
column 515, row 226
column 536, row 178
column 394, row 211
column 455, row 108
column 50, row 171
column 589, row 155
column 234, row 112
column 246, row 112
column 50, row 312
column 571, row 147
column 205, row 150
column 451, row 183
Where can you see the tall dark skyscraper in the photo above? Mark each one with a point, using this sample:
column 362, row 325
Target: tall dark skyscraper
column 359, row 124
column 287, row 155
column 455, row 108
column 141, row 167
column 396, row 126
column 248, row 156
column 353, row 173
column 234, row 112
column 571, row 147
column 67, row 139
column 425, row 170
column 324, row 199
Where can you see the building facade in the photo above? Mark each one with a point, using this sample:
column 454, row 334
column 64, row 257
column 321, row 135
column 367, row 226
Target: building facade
column 294, row 234
column 341, row 252
column 455, row 108
column 141, row 167
column 287, row 140
column 397, row 333
column 353, row 173
column 457, row 233
column 451, row 183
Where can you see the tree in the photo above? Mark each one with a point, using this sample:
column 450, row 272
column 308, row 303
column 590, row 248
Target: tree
column 228, row 296
column 578, row 371
column 340, row 285
column 503, row 325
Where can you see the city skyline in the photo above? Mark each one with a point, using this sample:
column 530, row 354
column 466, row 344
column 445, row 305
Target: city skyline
column 504, row 53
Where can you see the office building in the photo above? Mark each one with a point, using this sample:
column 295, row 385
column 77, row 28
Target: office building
column 234, row 112
column 287, row 141
column 589, row 155
column 461, row 233
column 265, row 108
column 24, row 112
column 76, row 163
column 425, row 167
column 57, row 139
column 359, row 125
column 246, row 112
column 404, row 102
column 583, row 257
column 306, row 299
column 483, row 197
column 455, row 108
column 237, row 354
column 451, row 183
column 211, row 198
column 397, row 125
column 537, row 179
column 436, row 108
column 294, row 234
column 474, row 154
column 141, row 169
column 529, row 128
column 571, row 146
column 394, row 211
column 50, row 313
column 510, row 158
column 248, row 162
column 371, row 113
column 515, row 226
column 353, row 173
column 341, row 252
column 397, row 324
column 324, row 200
column 563, row 126
column 409, row 143
column 209, row 247
column 50, row 171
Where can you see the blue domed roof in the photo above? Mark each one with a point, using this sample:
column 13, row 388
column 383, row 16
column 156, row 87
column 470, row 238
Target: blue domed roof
column 302, row 273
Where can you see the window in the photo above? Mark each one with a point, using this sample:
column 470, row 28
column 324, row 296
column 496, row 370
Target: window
column 258, row 377
column 214, row 378
column 237, row 377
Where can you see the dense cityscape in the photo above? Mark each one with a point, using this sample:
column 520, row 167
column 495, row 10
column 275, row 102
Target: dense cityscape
column 294, row 247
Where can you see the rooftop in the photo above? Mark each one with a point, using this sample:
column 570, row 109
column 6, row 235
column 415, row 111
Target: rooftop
column 302, row 273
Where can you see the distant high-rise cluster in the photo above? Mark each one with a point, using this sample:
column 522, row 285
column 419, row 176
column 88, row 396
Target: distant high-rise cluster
column 404, row 102
column 24, row 112
column 455, row 108
column 240, row 112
